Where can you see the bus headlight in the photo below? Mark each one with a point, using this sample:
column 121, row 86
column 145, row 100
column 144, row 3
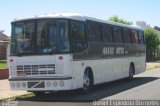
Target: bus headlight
column 61, row 83
column 24, row 84
column 55, row 83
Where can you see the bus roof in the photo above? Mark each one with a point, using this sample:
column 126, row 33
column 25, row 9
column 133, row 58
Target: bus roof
column 79, row 17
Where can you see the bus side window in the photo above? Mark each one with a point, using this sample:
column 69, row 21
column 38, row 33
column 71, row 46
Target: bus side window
column 127, row 35
column 141, row 37
column 79, row 43
column 134, row 34
column 117, row 32
column 94, row 32
column 144, row 40
column 107, row 35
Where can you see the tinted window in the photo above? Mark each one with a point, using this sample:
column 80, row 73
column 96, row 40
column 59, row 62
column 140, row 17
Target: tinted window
column 127, row 35
column 41, row 36
column 94, row 32
column 63, row 38
column 52, row 35
column 79, row 43
column 23, row 37
column 107, row 33
column 141, row 37
column 78, row 30
column 79, row 46
column 134, row 34
column 117, row 32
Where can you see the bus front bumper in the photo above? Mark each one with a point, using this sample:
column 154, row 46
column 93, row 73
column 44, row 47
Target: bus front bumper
column 41, row 84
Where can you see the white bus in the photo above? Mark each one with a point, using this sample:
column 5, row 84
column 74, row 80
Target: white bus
column 70, row 51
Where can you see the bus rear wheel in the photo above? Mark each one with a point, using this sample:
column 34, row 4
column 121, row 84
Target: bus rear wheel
column 131, row 71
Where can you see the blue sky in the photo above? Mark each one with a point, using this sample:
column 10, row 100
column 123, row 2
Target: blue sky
column 131, row 10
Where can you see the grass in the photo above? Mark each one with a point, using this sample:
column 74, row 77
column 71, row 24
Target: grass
column 18, row 97
column 150, row 68
column 3, row 64
column 25, row 96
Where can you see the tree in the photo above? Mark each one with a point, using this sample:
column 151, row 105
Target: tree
column 152, row 43
column 119, row 20
column 152, row 39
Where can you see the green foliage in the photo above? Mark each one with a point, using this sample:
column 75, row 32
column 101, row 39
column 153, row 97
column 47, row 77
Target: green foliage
column 29, row 95
column 152, row 39
column 3, row 64
column 119, row 20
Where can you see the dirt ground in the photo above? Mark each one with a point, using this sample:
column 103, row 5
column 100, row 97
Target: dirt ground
column 151, row 65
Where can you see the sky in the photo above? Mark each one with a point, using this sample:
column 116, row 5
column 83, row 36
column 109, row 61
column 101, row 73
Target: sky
column 130, row 10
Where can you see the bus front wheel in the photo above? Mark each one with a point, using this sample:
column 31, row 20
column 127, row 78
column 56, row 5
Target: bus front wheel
column 87, row 81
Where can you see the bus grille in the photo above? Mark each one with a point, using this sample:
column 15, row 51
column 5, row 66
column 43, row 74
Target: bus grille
column 36, row 69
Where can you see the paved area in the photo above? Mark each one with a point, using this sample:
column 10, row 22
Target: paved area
column 144, row 86
column 5, row 91
column 147, row 91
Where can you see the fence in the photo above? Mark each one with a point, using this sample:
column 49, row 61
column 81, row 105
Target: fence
column 3, row 51
column 153, row 55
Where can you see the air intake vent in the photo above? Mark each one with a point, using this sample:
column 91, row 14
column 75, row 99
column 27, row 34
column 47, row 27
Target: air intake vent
column 36, row 69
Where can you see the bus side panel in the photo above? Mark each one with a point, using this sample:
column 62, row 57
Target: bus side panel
column 111, row 70
column 105, row 70
column 78, row 68
column 140, row 64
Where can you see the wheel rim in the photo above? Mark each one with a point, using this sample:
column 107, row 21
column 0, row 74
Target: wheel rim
column 86, row 81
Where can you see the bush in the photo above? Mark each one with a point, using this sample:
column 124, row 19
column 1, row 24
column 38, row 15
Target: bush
column 152, row 43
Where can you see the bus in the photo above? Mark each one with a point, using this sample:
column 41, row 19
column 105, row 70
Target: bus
column 54, row 52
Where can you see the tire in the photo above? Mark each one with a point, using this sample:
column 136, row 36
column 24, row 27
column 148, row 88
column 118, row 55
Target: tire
column 131, row 71
column 39, row 93
column 87, row 82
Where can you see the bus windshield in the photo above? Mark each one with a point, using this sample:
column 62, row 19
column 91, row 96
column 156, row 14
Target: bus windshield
column 41, row 36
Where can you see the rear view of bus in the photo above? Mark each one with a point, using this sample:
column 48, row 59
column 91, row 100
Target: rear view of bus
column 65, row 51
